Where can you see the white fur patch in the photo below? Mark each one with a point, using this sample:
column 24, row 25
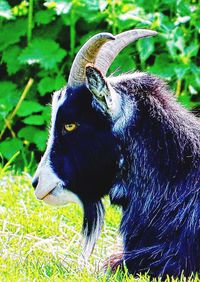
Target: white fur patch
column 115, row 107
column 91, row 241
column 122, row 113
column 125, row 77
column 56, row 103
column 50, row 186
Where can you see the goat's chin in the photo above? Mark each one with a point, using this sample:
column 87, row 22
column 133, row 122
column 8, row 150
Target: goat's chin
column 60, row 197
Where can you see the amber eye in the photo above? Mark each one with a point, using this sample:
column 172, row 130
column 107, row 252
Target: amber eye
column 71, row 127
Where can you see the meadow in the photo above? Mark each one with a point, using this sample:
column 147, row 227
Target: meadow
column 44, row 243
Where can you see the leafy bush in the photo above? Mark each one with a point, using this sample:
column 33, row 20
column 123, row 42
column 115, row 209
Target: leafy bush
column 39, row 40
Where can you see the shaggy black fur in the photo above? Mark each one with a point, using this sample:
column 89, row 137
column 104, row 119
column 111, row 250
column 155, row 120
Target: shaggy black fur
column 161, row 199
column 149, row 165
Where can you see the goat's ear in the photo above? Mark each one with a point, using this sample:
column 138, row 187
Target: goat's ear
column 98, row 86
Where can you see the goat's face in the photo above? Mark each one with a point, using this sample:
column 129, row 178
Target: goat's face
column 82, row 154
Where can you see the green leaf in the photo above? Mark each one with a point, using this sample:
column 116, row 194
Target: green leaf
column 180, row 70
column 29, row 107
column 28, row 133
column 145, row 48
column 60, row 81
column 91, row 5
column 195, row 75
column 185, row 100
column 172, row 48
column 9, row 96
column 88, row 10
column 10, row 146
column 10, row 57
column 162, row 67
column 45, row 52
column 192, row 50
column 46, row 85
column 44, row 17
column 5, row 11
column 119, row 65
column 11, row 33
column 165, row 23
column 34, row 135
column 46, row 113
column 183, row 8
column 34, row 120
column 180, row 44
column 40, row 139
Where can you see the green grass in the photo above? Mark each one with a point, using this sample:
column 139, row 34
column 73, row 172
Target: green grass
column 43, row 243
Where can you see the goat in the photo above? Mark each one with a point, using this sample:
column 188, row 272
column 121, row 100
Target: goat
column 126, row 136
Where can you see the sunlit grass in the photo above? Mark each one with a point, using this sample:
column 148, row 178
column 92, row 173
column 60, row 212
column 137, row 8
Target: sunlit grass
column 43, row 243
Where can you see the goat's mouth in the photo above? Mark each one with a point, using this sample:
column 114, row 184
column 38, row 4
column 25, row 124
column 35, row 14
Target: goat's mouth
column 53, row 191
column 49, row 193
column 44, row 189
column 54, row 196
column 59, row 196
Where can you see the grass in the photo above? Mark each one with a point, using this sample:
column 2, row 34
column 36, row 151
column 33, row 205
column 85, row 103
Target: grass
column 43, row 243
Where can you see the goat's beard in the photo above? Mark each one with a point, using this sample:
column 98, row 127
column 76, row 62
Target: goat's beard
column 92, row 224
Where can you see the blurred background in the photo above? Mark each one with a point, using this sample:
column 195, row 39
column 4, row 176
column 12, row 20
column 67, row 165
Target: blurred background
column 39, row 40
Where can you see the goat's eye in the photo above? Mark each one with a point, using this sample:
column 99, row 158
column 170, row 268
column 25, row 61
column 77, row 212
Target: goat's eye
column 71, row 127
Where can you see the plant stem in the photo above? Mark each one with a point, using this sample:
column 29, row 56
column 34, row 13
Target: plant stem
column 114, row 17
column 6, row 166
column 30, row 21
column 11, row 116
column 72, row 34
column 178, row 88
column 7, row 123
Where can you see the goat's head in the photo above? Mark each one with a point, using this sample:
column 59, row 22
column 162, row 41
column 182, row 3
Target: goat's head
column 83, row 155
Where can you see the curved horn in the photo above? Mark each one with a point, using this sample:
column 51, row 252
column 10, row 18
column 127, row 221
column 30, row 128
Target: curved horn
column 111, row 49
column 87, row 54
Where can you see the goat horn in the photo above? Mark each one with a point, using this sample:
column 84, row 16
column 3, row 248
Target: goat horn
column 110, row 50
column 87, row 54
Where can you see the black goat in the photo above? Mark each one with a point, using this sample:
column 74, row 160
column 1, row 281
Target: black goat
column 126, row 136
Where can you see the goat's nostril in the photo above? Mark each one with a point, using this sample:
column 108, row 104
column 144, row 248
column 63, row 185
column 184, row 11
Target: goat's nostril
column 35, row 182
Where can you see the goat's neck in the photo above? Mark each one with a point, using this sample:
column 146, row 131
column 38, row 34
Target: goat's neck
column 161, row 141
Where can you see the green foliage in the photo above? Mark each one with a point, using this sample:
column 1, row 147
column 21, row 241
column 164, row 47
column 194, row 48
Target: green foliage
column 11, row 32
column 39, row 40
column 45, row 52
column 10, row 147
column 9, row 97
column 29, row 107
